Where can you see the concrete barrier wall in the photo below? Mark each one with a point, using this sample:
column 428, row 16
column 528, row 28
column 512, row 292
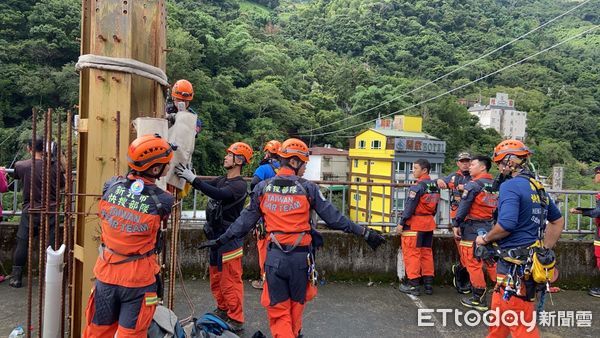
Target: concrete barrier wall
column 347, row 257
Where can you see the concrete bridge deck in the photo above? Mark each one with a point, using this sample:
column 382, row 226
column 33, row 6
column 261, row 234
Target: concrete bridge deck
column 349, row 310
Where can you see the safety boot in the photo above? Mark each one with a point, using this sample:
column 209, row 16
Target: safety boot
column 16, row 277
column 411, row 287
column 220, row 313
column 428, row 284
column 594, row 292
column 477, row 300
column 460, row 279
column 236, row 327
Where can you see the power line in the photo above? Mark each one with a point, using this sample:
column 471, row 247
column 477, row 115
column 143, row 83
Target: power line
column 448, row 74
column 462, row 86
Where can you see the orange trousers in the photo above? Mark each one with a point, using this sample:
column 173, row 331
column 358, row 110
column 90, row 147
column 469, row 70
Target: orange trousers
column 111, row 309
column 460, row 255
column 261, row 245
column 476, row 267
column 521, row 308
column 227, row 288
column 418, row 261
column 285, row 318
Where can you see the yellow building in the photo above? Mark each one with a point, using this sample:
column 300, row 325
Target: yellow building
column 385, row 154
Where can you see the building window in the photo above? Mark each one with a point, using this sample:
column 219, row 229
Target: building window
column 357, row 197
column 375, row 144
column 357, row 179
column 398, row 204
column 362, row 144
column 436, row 167
column 400, row 167
column 355, row 163
column 326, row 161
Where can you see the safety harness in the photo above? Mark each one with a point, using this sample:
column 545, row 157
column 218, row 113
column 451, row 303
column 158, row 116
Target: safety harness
column 317, row 238
column 532, row 263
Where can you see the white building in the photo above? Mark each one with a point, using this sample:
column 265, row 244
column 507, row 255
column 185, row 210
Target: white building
column 501, row 115
column 327, row 164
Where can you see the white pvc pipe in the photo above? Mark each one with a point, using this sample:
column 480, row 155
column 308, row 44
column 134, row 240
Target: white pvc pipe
column 53, row 292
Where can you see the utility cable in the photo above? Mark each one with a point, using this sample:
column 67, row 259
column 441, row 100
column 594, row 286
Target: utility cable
column 450, row 73
column 462, row 86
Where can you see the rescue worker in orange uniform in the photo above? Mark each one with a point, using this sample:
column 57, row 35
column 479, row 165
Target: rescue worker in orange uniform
column 456, row 182
column 474, row 216
column 227, row 195
column 521, row 228
column 182, row 95
column 131, row 211
column 416, row 228
column 594, row 213
column 285, row 202
column 268, row 168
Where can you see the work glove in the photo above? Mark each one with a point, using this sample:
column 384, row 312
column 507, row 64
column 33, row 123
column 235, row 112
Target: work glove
column 211, row 244
column 373, row 238
column 185, row 172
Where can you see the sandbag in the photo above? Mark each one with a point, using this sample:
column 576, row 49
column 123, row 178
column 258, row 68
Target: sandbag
column 183, row 134
column 153, row 125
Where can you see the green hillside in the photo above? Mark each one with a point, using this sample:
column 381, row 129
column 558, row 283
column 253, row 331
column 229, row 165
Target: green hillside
column 270, row 69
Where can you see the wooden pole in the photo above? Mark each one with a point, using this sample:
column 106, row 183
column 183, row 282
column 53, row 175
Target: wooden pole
column 125, row 29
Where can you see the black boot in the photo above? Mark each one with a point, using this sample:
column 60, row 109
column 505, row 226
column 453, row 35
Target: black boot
column 411, row 287
column 460, row 279
column 16, row 277
column 477, row 300
column 236, row 327
column 428, row 284
column 220, row 313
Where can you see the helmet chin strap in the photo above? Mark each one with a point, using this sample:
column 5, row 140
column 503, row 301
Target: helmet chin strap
column 296, row 169
column 156, row 176
column 517, row 165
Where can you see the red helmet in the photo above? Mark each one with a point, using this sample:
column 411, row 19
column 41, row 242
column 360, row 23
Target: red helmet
column 183, row 90
column 294, row 147
column 241, row 148
column 272, row 146
column 510, row 147
column 148, row 150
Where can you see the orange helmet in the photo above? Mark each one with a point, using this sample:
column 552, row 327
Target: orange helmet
column 510, row 147
column 272, row 146
column 241, row 148
column 294, row 147
column 183, row 90
column 148, row 150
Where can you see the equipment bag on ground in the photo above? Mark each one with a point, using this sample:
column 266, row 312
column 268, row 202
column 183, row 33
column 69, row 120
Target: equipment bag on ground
column 210, row 325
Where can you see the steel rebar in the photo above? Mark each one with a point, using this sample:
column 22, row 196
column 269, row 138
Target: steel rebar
column 68, row 205
column 30, row 230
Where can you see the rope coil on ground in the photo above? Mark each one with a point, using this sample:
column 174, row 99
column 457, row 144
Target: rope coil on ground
column 122, row 65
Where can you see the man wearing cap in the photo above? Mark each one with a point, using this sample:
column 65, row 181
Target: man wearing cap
column 594, row 213
column 456, row 183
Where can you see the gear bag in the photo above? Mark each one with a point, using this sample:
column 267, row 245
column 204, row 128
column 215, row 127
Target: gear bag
column 210, row 325
column 165, row 324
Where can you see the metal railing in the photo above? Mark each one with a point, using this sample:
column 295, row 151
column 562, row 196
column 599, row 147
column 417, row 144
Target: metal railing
column 386, row 215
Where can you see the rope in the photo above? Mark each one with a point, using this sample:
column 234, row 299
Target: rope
column 122, row 65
